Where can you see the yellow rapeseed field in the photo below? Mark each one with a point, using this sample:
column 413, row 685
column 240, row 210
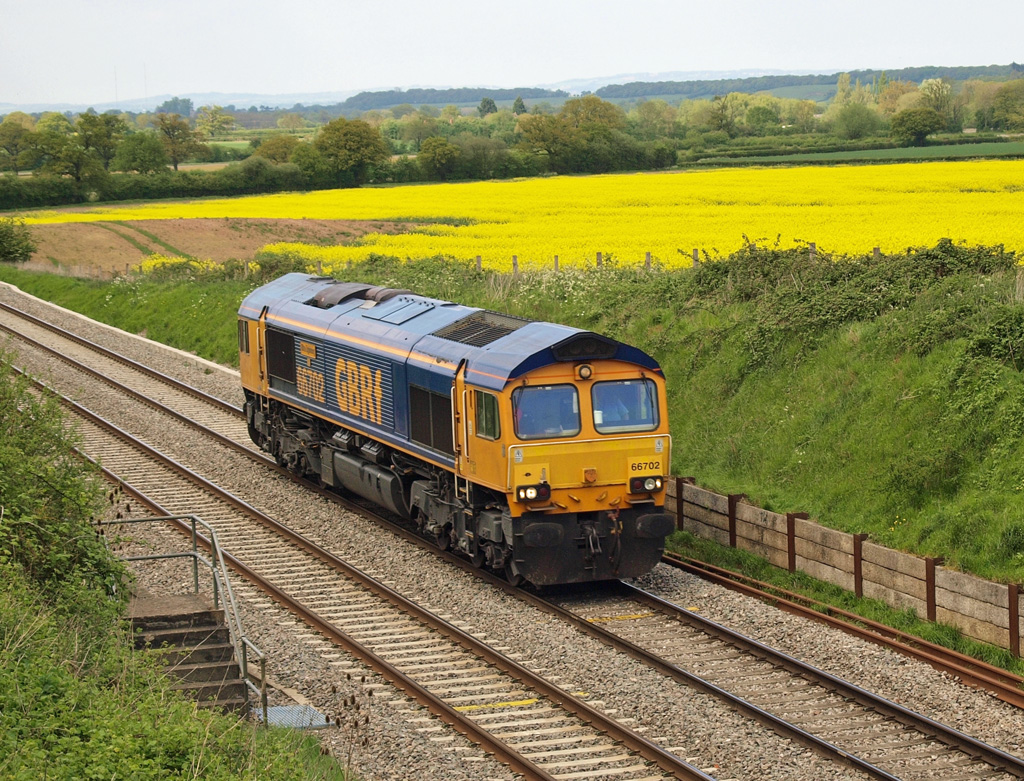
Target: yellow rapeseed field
column 844, row 210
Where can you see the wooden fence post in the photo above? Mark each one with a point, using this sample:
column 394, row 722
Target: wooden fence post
column 929, row 584
column 734, row 499
column 814, row 250
column 878, row 253
column 599, row 260
column 647, row 261
column 556, row 264
column 515, row 265
column 1013, row 593
column 479, row 263
column 858, row 564
column 696, row 258
column 319, row 268
column 681, row 482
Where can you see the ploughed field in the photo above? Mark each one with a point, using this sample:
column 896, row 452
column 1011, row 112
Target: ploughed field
column 109, row 246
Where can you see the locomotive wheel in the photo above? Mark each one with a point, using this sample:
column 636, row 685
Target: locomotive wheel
column 443, row 539
column 511, row 575
column 479, row 557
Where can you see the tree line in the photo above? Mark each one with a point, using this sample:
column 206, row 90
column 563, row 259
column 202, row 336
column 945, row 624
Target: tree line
column 110, row 156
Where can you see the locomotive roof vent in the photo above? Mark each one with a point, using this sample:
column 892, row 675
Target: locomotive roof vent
column 481, row 328
column 345, row 291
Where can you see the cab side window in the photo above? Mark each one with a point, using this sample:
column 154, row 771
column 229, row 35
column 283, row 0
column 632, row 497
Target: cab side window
column 488, row 425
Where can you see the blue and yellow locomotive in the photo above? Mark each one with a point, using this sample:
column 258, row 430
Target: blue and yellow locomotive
column 536, row 449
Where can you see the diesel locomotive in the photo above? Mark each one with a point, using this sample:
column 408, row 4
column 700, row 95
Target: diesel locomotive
column 535, row 449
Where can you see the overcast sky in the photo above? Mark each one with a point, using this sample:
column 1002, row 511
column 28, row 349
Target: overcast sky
column 100, row 51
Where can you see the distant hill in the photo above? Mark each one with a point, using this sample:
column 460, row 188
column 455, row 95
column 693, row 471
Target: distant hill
column 671, row 86
column 708, row 88
column 365, row 101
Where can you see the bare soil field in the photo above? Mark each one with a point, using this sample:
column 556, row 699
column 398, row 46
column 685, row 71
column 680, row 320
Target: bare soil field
column 94, row 248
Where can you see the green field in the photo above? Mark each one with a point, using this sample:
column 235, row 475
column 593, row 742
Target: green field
column 1005, row 149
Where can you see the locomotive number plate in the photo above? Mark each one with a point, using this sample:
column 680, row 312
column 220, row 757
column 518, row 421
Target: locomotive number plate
column 645, row 466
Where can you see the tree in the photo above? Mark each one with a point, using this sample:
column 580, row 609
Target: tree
column 54, row 122
column 27, row 121
column 889, row 96
column 480, row 158
column 1008, row 106
column 762, row 119
column 314, row 167
column 141, row 152
column 938, row 94
column 487, row 106
column 14, row 143
column 179, row 139
column 855, row 120
column 101, row 134
column 213, row 121
column 350, row 148
column 912, row 126
column 591, row 110
column 180, row 106
column 16, row 245
column 417, row 128
column 725, row 111
column 518, row 106
column 450, row 113
column 438, row 158
column 654, row 119
column 62, row 154
column 291, row 122
column 844, row 92
column 277, row 148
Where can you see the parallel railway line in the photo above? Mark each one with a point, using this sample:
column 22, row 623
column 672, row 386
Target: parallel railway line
column 914, row 750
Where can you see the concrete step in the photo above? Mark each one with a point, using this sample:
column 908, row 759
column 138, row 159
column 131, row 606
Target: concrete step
column 188, row 636
column 173, row 656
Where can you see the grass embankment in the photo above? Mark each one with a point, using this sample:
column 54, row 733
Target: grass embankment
column 75, row 701
column 881, row 396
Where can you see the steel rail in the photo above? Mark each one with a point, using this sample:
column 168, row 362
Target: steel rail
column 649, row 751
column 974, row 672
column 116, row 356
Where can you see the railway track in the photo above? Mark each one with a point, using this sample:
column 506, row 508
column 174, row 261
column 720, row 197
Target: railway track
column 1003, row 684
column 902, row 749
column 820, row 710
column 529, row 723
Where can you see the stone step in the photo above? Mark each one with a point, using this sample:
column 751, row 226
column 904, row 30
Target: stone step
column 172, row 656
column 182, row 636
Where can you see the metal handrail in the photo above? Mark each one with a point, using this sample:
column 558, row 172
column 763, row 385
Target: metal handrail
column 220, row 583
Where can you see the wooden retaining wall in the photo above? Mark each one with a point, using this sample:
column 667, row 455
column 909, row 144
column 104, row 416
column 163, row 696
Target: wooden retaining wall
column 987, row 611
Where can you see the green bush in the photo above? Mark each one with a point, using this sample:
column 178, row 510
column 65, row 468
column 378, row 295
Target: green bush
column 16, row 245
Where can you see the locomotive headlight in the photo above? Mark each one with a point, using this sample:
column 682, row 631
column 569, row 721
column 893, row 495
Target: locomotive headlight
column 533, row 493
column 638, row 485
